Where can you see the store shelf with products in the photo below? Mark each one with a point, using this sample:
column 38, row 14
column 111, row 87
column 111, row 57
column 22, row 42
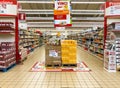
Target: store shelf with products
column 112, row 38
column 92, row 41
column 72, row 36
column 7, row 42
column 29, row 40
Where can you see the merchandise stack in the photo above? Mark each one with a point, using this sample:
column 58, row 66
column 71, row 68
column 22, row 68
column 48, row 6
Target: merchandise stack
column 7, row 55
column 53, row 56
column 53, row 52
column 69, row 50
column 7, row 44
column 23, row 53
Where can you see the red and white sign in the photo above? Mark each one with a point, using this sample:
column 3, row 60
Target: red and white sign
column 8, row 7
column 112, row 8
column 59, row 17
column 22, row 16
column 62, row 5
column 62, row 16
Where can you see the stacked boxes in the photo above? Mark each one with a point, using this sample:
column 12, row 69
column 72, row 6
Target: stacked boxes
column 7, row 54
column 23, row 53
column 69, row 50
column 53, row 55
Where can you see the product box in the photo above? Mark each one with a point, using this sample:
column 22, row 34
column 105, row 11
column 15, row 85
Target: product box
column 52, row 55
column 69, row 51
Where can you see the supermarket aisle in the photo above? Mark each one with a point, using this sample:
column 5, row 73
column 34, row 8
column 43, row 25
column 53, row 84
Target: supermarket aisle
column 19, row 77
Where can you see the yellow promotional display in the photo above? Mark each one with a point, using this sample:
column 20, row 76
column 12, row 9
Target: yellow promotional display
column 69, row 51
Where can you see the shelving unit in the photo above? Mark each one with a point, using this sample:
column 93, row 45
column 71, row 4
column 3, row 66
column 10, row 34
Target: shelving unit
column 92, row 41
column 7, row 42
column 72, row 36
column 28, row 39
column 112, row 37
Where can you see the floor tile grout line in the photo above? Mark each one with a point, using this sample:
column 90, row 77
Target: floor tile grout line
column 95, row 80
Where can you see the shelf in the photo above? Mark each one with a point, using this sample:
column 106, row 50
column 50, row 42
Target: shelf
column 115, row 30
column 113, row 17
column 92, row 54
column 7, row 33
column 99, row 42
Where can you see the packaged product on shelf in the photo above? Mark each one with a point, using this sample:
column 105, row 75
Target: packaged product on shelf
column 7, row 54
column 114, row 26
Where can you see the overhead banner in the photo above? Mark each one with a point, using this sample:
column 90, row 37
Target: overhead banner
column 8, row 7
column 112, row 8
column 62, row 11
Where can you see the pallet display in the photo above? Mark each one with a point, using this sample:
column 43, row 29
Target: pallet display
column 112, row 37
column 69, row 50
column 53, row 56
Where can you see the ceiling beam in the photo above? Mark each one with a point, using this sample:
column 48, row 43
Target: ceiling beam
column 51, row 2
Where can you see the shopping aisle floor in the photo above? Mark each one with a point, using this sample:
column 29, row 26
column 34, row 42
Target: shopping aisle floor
column 20, row 77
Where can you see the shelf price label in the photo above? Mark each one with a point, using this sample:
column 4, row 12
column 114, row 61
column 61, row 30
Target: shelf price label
column 8, row 7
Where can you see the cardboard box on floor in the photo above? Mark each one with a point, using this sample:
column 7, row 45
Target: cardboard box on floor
column 52, row 55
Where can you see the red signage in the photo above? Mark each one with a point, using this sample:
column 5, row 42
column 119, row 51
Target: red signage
column 112, row 9
column 60, row 17
column 62, row 25
column 8, row 7
column 108, row 4
column 22, row 16
column 8, row 2
column 102, row 7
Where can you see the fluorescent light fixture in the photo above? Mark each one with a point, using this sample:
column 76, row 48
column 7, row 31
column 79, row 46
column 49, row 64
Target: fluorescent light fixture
column 72, row 13
column 77, row 2
column 38, row 10
column 73, row 18
column 49, row 2
column 51, row 11
column 35, row 10
column 52, row 26
column 72, row 23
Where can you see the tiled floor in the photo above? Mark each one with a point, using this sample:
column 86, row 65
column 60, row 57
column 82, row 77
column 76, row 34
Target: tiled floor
column 20, row 77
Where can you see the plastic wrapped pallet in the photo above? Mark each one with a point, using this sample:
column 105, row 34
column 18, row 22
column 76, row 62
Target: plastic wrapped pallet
column 69, row 50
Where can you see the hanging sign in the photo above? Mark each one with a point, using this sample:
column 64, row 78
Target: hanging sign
column 60, row 28
column 62, row 17
column 62, row 5
column 8, row 7
column 22, row 16
column 112, row 9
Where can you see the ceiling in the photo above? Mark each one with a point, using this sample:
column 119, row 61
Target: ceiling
column 40, row 12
